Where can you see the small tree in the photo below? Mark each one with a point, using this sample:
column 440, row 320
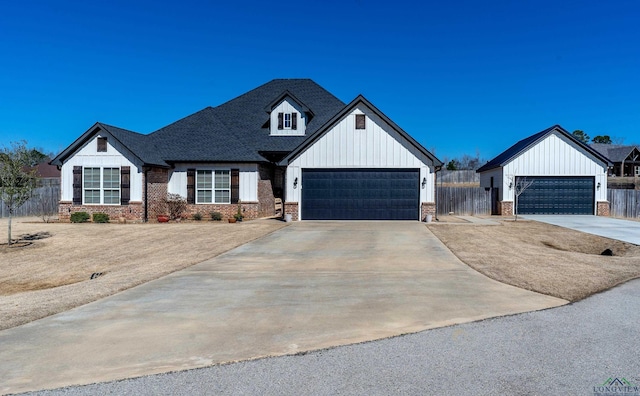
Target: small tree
column 17, row 177
column 581, row 136
column 176, row 204
column 519, row 185
column 606, row 139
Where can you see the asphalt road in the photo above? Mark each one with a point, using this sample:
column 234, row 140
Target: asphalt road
column 570, row 350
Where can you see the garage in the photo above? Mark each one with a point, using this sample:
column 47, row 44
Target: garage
column 558, row 195
column 569, row 177
column 360, row 194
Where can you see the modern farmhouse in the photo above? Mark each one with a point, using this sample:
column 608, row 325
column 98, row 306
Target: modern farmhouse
column 289, row 139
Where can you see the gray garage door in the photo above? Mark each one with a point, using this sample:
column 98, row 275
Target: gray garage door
column 360, row 194
column 558, row 195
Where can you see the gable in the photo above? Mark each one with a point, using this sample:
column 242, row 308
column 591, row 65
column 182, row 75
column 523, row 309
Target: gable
column 555, row 154
column 297, row 126
column 378, row 145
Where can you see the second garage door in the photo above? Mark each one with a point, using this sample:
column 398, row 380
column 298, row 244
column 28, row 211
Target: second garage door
column 360, row 194
column 558, row 195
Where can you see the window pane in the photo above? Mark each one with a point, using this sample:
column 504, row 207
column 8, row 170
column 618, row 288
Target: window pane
column 111, row 196
column 92, row 196
column 287, row 120
column 204, row 196
column 223, row 179
column 203, row 179
column 111, row 178
column 223, row 196
column 91, row 178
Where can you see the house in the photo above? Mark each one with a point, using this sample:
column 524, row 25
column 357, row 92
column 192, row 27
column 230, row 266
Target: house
column 565, row 176
column 625, row 159
column 289, row 139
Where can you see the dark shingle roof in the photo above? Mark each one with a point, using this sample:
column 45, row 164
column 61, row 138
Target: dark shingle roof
column 237, row 130
column 615, row 153
column 525, row 143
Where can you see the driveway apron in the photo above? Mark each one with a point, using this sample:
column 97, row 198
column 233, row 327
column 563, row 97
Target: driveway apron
column 308, row 286
column 622, row 230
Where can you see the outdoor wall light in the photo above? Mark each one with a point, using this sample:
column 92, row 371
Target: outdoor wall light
column 598, row 186
column 510, row 185
column 424, row 182
column 295, row 182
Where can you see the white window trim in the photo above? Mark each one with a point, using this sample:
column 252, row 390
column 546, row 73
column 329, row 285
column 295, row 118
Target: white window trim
column 287, row 118
column 101, row 188
column 213, row 188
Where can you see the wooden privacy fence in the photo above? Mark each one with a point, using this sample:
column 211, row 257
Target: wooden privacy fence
column 466, row 201
column 44, row 201
column 459, row 177
column 624, row 203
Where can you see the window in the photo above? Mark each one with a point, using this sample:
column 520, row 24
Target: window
column 101, row 186
column 360, row 121
column 213, row 186
column 288, row 121
column 102, row 144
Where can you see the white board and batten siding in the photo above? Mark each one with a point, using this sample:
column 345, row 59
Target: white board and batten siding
column 288, row 106
column 116, row 156
column 248, row 178
column 556, row 156
column 345, row 147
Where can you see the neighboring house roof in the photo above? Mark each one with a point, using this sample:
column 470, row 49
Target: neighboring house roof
column 46, row 170
column 524, row 144
column 616, row 153
column 319, row 132
column 235, row 131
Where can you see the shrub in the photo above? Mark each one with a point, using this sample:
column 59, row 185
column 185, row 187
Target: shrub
column 176, row 204
column 79, row 217
column 216, row 216
column 100, row 218
column 197, row 216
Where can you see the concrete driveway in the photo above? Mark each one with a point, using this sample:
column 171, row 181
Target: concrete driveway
column 308, row 286
column 622, row 230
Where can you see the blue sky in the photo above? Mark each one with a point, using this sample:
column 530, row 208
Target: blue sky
column 462, row 77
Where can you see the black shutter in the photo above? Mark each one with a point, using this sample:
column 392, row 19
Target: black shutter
column 77, row 185
column 125, row 185
column 280, row 121
column 235, row 185
column 191, row 186
column 294, row 120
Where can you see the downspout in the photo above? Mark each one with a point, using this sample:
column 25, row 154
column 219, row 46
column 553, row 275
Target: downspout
column 146, row 194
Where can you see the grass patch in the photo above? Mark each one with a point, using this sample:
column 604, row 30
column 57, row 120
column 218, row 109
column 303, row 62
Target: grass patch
column 543, row 258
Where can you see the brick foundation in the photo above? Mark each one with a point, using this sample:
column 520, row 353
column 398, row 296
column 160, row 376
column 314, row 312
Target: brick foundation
column 506, row 208
column 134, row 212
column 250, row 210
column 427, row 208
column 603, row 208
column 292, row 209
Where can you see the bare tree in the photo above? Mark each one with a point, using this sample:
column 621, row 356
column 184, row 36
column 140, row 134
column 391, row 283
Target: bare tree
column 17, row 177
column 519, row 185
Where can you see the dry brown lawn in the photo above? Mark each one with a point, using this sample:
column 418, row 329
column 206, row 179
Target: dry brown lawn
column 541, row 257
column 53, row 274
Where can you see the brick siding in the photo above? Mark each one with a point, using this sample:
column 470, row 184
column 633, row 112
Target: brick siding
column 134, row 212
column 506, row 208
column 292, row 209
column 427, row 208
column 603, row 208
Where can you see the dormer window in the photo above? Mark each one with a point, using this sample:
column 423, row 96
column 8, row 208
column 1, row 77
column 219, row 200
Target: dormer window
column 288, row 121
